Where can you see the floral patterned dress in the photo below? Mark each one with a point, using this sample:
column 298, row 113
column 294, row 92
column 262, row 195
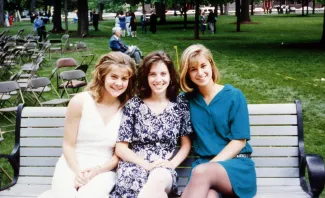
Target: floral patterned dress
column 152, row 137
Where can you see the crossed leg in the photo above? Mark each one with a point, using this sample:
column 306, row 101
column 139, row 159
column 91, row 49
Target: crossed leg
column 207, row 180
column 159, row 184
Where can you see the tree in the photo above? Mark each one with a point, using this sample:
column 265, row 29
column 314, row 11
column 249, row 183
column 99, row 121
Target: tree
column 83, row 21
column 32, row 5
column 322, row 41
column 244, row 14
column 57, row 26
column 2, row 21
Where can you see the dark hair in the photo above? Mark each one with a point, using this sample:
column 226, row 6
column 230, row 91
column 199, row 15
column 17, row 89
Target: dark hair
column 143, row 88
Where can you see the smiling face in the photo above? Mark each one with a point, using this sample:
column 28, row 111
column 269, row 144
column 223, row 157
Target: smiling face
column 200, row 71
column 116, row 81
column 158, row 78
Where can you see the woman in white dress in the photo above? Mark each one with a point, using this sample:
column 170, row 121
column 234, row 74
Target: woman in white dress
column 91, row 126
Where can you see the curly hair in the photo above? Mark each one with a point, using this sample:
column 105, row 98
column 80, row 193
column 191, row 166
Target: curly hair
column 103, row 67
column 143, row 88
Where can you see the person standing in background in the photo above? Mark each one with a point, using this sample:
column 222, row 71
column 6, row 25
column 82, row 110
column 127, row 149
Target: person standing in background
column 122, row 23
column 133, row 24
column 127, row 22
column 153, row 22
column 95, row 20
column 144, row 22
column 39, row 26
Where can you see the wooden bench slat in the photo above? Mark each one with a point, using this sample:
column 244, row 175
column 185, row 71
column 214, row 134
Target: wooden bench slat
column 277, row 172
column 275, row 151
column 42, row 122
column 272, row 109
column 258, row 151
column 278, row 182
column 255, row 130
column 25, row 190
column 40, row 152
column 38, row 161
column 274, row 130
column 273, row 120
column 274, row 141
column 41, row 132
column 37, row 142
column 36, row 171
column 44, row 112
column 276, row 162
column 260, row 161
column 35, row 180
column 260, row 172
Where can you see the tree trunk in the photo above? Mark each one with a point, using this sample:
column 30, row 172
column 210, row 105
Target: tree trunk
column 216, row 10
column 100, row 10
column 313, row 6
column 57, row 25
column 226, row 9
column 244, row 13
column 66, row 16
column 221, row 9
column 238, row 15
column 323, row 36
column 32, row 5
column 252, row 7
column 197, row 14
column 2, row 21
column 83, row 21
column 163, row 14
column 185, row 14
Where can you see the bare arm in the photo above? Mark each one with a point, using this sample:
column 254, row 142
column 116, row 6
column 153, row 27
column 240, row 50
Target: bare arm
column 71, row 125
column 183, row 152
column 230, row 151
column 123, row 151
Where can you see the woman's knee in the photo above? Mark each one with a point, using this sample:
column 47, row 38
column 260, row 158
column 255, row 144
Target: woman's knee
column 200, row 171
column 160, row 175
column 213, row 194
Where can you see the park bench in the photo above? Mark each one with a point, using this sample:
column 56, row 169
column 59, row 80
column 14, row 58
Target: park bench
column 276, row 137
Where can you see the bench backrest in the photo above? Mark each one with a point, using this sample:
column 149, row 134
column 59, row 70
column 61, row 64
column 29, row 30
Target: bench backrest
column 274, row 137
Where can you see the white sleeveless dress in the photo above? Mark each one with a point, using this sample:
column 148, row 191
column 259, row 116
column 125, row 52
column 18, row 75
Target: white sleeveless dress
column 95, row 146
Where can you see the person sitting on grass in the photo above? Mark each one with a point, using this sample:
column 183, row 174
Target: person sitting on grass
column 116, row 44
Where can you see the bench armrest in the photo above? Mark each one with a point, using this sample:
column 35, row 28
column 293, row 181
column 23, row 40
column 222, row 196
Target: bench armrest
column 15, row 166
column 316, row 173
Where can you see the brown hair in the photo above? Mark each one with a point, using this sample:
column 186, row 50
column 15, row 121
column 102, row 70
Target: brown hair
column 143, row 89
column 103, row 67
column 188, row 55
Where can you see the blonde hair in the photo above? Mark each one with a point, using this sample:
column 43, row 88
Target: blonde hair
column 187, row 57
column 103, row 67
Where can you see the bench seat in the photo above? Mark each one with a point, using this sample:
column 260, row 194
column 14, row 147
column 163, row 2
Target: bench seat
column 276, row 137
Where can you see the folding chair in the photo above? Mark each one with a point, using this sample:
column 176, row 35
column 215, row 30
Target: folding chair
column 38, row 85
column 73, row 80
column 9, row 106
column 87, row 59
column 63, row 64
column 59, row 44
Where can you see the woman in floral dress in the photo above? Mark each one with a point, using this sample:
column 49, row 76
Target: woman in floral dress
column 152, row 124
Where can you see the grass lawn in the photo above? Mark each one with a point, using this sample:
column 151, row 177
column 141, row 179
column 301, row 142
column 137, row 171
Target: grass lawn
column 267, row 61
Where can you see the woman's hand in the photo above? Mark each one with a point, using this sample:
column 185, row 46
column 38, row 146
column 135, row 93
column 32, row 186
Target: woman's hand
column 90, row 173
column 80, row 180
column 160, row 163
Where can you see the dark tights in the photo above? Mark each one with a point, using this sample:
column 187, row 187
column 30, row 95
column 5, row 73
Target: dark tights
column 207, row 180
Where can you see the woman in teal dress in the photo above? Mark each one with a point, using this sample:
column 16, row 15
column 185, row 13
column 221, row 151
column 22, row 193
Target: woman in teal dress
column 220, row 120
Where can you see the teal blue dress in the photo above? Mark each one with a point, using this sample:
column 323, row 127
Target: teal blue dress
column 215, row 125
